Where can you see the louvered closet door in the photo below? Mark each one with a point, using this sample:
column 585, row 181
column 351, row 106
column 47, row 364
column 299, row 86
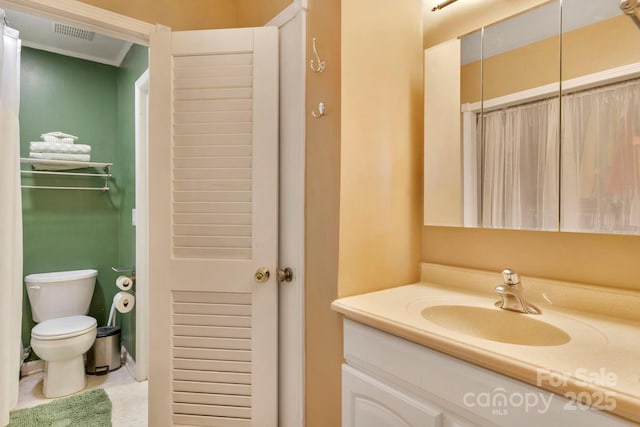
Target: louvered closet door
column 213, row 160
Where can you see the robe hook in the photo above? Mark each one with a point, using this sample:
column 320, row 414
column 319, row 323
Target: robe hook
column 321, row 111
column 321, row 63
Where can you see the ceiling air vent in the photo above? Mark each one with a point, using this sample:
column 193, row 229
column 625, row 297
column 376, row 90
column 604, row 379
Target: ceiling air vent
column 69, row 31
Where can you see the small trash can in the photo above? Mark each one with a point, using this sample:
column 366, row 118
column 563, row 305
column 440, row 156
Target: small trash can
column 104, row 355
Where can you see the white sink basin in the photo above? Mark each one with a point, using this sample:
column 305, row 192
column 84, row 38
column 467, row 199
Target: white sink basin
column 495, row 324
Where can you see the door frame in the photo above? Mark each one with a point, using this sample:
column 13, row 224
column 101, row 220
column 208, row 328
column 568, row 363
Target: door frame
column 137, row 31
column 292, row 24
column 142, row 225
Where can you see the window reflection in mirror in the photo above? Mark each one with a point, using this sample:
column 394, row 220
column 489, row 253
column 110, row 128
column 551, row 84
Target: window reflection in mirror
column 600, row 181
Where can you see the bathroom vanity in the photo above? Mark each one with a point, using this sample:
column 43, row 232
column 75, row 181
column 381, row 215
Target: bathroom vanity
column 440, row 353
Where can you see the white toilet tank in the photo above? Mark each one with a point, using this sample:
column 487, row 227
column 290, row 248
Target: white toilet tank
column 60, row 294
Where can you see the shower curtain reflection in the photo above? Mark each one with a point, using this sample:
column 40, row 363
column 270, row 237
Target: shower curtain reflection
column 520, row 171
column 601, row 159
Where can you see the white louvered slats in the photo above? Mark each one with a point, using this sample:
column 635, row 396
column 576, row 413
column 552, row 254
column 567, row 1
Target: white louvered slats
column 212, row 156
column 211, row 357
column 213, row 221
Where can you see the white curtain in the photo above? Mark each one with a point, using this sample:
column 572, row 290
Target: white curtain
column 601, row 159
column 520, row 167
column 10, row 221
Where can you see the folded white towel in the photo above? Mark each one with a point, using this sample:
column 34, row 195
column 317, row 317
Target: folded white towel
column 59, row 137
column 61, row 156
column 48, row 167
column 55, row 147
column 53, row 139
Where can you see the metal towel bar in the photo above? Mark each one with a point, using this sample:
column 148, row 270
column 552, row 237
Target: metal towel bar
column 68, row 163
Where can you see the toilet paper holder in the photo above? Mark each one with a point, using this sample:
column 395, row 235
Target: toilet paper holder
column 130, row 270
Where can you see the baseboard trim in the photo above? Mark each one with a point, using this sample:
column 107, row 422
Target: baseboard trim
column 129, row 362
column 32, row 367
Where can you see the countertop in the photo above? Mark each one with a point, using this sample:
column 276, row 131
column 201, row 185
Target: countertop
column 601, row 358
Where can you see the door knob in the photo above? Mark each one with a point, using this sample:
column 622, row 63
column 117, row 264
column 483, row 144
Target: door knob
column 262, row 275
column 285, row 274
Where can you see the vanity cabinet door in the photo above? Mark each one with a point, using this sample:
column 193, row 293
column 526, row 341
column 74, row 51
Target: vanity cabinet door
column 367, row 402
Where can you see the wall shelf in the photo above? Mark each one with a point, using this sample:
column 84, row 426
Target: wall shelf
column 67, row 166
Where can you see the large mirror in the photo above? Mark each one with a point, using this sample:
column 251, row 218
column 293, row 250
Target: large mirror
column 600, row 179
column 544, row 133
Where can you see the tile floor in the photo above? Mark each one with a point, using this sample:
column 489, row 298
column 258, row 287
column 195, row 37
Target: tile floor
column 128, row 397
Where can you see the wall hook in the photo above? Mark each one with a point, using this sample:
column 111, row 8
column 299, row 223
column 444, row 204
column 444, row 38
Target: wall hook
column 320, row 62
column 321, row 111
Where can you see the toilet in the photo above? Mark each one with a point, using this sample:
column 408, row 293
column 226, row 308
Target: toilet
column 59, row 304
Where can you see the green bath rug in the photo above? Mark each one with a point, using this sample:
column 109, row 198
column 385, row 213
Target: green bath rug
column 90, row 409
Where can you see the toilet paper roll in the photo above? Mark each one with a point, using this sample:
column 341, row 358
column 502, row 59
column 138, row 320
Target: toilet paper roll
column 124, row 302
column 124, row 282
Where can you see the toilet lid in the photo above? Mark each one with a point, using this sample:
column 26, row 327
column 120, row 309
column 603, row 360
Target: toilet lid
column 63, row 327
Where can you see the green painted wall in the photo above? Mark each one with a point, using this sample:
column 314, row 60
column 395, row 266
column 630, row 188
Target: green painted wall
column 73, row 229
column 133, row 66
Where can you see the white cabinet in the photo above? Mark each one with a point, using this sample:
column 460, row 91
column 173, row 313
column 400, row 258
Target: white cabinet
column 367, row 402
column 391, row 382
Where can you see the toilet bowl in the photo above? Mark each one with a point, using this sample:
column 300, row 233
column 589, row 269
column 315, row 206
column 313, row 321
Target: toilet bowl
column 59, row 304
column 61, row 343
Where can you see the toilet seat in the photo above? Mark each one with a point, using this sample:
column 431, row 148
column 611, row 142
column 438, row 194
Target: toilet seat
column 63, row 327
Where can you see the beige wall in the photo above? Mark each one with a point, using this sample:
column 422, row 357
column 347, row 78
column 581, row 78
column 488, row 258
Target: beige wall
column 587, row 50
column 607, row 44
column 256, row 13
column 470, row 82
column 599, row 259
column 607, row 260
column 530, row 66
column 533, row 65
column 363, row 173
column 179, row 15
column 381, row 156
column 464, row 17
column 323, row 327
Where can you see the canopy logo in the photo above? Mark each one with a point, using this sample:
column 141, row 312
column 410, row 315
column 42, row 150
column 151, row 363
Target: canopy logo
column 500, row 401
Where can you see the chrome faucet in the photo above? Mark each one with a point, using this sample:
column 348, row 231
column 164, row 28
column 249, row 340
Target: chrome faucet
column 511, row 297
